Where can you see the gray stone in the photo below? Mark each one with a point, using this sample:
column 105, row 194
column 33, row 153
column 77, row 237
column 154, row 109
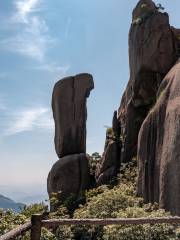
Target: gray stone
column 110, row 160
column 149, row 38
column 159, row 147
column 70, row 114
column 70, row 175
column 107, row 176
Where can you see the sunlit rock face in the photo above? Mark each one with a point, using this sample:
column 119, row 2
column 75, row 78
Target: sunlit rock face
column 70, row 113
column 152, row 53
column 70, row 175
column 159, row 147
column 154, row 47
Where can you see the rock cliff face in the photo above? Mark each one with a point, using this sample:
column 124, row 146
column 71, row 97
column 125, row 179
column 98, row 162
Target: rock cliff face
column 110, row 162
column 70, row 175
column 153, row 50
column 152, row 53
column 159, row 147
column 147, row 124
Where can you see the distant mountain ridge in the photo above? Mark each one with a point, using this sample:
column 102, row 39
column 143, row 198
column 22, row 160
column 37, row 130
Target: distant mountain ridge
column 27, row 194
column 7, row 203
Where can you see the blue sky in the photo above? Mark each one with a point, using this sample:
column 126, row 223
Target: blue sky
column 40, row 42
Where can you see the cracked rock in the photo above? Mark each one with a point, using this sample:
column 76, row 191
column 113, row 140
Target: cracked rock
column 69, row 111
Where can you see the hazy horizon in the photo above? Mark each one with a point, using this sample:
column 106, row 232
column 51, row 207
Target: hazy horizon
column 41, row 42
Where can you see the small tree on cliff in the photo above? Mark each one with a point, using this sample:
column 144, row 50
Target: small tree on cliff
column 94, row 159
column 160, row 7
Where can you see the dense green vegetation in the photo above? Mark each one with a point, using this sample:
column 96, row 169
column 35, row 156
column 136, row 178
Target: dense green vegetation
column 102, row 202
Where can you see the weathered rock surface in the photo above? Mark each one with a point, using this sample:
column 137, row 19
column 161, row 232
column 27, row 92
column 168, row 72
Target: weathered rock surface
column 110, row 162
column 159, row 147
column 69, row 175
column 108, row 167
column 69, row 111
column 152, row 53
column 107, row 176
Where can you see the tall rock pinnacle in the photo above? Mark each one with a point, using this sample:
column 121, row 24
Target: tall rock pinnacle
column 69, row 111
column 152, row 53
column 70, row 175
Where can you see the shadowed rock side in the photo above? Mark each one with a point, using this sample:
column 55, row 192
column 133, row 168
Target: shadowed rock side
column 152, row 53
column 110, row 162
column 70, row 114
column 159, row 147
column 70, row 175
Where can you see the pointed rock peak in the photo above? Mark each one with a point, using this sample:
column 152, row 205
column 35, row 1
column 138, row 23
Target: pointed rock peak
column 143, row 7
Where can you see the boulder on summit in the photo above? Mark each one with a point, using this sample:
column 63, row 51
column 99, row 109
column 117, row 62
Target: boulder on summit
column 70, row 113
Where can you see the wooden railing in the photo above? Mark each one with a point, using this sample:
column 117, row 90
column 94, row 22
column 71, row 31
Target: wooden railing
column 13, row 234
column 37, row 223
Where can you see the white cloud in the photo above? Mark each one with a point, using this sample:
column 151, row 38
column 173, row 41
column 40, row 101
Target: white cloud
column 32, row 42
column 24, row 8
column 29, row 120
column 32, row 38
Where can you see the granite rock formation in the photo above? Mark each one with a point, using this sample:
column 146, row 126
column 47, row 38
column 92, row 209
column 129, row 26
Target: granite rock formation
column 110, row 162
column 152, row 53
column 159, row 147
column 151, row 102
column 153, row 50
column 69, row 111
column 70, row 175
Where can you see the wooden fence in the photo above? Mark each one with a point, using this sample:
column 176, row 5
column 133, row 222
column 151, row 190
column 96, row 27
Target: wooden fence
column 37, row 223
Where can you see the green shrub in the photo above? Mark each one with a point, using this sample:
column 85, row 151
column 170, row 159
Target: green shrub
column 9, row 220
column 103, row 202
column 144, row 5
column 128, row 173
column 94, row 159
column 121, row 202
column 133, row 232
column 28, row 211
column 137, row 21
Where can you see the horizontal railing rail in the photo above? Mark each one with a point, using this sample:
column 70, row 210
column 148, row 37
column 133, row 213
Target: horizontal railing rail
column 37, row 223
column 17, row 232
column 110, row 221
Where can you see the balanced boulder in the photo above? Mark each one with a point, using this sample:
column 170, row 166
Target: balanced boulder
column 70, row 114
column 69, row 176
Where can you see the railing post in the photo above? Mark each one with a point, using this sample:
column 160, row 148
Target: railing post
column 36, row 221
